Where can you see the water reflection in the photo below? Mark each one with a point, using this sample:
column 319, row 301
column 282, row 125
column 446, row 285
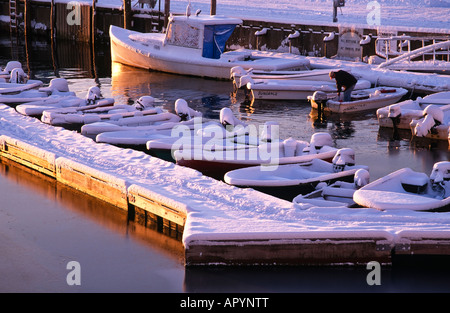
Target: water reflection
column 46, row 224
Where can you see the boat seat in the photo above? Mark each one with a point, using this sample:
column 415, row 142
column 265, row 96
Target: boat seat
column 415, row 182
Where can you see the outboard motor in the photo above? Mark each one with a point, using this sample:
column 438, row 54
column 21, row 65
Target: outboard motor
column 433, row 116
column 318, row 140
column 144, row 102
column 362, row 178
column 320, row 98
column 227, row 118
column 18, row 76
column 93, row 95
column 56, row 84
column 182, row 110
column 237, row 71
column 394, row 114
column 440, row 173
column 12, row 65
column 344, row 157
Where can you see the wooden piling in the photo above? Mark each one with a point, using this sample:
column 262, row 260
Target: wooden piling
column 127, row 14
column 213, row 7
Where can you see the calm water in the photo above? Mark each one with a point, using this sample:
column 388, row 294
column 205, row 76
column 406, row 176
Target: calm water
column 45, row 225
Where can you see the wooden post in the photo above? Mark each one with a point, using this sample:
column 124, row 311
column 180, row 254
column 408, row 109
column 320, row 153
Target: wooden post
column 127, row 14
column 52, row 19
column 27, row 17
column 166, row 12
column 93, row 21
column 213, row 7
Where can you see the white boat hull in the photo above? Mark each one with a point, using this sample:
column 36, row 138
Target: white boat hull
column 371, row 103
column 274, row 89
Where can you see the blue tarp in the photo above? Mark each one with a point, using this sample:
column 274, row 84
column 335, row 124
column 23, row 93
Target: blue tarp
column 214, row 40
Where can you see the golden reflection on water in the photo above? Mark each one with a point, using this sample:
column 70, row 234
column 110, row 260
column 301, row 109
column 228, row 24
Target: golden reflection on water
column 93, row 209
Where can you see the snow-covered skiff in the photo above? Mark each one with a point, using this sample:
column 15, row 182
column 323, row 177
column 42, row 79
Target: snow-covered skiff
column 93, row 99
column 78, row 116
column 194, row 45
column 18, row 82
column 275, row 153
column 362, row 100
column 286, row 89
column 238, row 72
column 289, row 180
column 135, row 131
column 57, row 87
column 401, row 114
column 406, row 189
column 434, row 124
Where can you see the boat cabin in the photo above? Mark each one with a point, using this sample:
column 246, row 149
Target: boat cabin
column 206, row 33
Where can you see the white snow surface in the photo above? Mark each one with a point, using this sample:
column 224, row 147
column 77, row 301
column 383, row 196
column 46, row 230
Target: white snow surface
column 417, row 14
column 216, row 210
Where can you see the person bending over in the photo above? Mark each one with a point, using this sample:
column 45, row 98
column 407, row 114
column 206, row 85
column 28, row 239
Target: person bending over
column 345, row 81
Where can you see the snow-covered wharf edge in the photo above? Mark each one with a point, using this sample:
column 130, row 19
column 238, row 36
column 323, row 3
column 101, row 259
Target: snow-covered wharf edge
column 215, row 210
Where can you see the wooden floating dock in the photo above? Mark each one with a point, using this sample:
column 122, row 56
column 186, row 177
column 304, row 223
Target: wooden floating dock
column 304, row 248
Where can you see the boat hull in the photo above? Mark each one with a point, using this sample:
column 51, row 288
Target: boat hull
column 291, row 192
column 276, row 89
column 371, row 103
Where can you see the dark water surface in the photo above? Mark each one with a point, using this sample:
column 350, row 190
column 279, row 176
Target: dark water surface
column 44, row 225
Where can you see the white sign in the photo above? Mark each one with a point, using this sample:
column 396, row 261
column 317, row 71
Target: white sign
column 349, row 47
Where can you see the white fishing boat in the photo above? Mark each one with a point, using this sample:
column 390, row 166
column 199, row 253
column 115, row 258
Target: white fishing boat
column 78, row 116
column 406, row 189
column 194, row 45
column 434, row 124
column 216, row 163
column 401, row 114
column 337, row 194
column 93, row 99
column 289, row 180
column 57, row 87
column 18, row 82
column 362, row 100
column 135, row 131
column 286, row 89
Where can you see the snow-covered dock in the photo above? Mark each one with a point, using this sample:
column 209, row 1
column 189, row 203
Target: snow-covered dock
column 221, row 224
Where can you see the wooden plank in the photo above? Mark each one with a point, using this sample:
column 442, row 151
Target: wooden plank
column 423, row 243
column 145, row 202
column 93, row 182
column 288, row 252
column 27, row 155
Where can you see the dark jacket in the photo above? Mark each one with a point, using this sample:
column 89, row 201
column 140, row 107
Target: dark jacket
column 344, row 79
